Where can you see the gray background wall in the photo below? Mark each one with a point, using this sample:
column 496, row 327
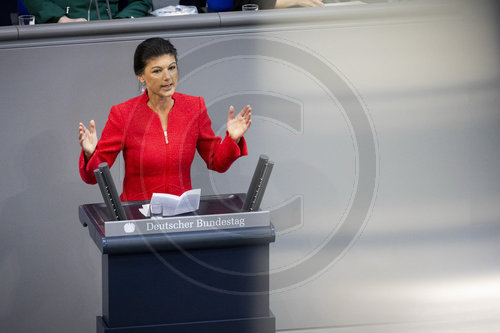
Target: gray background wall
column 383, row 121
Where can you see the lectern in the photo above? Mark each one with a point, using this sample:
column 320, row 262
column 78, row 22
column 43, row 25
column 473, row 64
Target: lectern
column 206, row 271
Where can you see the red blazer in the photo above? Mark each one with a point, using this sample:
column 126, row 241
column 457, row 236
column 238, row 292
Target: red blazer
column 152, row 164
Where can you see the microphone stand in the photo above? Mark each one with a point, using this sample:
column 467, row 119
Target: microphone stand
column 108, row 9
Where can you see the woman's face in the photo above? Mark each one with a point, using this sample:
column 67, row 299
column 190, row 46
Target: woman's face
column 160, row 76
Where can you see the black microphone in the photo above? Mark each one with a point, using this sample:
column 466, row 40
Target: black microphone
column 258, row 184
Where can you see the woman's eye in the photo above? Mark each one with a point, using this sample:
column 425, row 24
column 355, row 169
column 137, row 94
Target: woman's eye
column 171, row 68
column 156, row 71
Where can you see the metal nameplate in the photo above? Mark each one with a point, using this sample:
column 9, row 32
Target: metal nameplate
column 187, row 223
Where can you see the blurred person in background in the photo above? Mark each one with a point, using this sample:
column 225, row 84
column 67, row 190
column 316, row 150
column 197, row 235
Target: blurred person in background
column 64, row 11
column 235, row 5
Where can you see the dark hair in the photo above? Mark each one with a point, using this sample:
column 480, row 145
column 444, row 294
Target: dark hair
column 149, row 49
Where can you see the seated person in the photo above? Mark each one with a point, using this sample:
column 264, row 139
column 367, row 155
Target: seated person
column 64, row 11
column 235, row 5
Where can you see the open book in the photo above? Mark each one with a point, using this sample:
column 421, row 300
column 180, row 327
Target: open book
column 189, row 201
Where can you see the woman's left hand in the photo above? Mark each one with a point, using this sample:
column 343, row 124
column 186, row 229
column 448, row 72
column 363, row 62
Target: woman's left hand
column 237, row 126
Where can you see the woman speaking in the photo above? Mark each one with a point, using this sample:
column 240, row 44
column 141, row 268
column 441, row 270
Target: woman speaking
column 160, row 131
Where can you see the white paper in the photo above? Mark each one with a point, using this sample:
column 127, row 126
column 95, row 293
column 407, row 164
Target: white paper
column 145, row 210
column 189, row 201
column 175, row 10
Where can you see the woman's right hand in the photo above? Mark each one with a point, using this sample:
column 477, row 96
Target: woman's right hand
column 87, row 138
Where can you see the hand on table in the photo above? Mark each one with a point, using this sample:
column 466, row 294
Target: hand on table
column 298, row 3
column 65, row 19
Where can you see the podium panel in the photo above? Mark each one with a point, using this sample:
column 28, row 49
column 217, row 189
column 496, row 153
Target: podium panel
column 214, row 280
column 252, row 325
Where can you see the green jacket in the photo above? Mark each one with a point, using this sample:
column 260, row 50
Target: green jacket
column 49, row 11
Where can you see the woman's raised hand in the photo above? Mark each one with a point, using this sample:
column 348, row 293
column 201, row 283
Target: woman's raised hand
column 237, row 126
column 87, row 138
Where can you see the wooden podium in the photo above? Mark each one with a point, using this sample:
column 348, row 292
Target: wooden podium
column 208, row 279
